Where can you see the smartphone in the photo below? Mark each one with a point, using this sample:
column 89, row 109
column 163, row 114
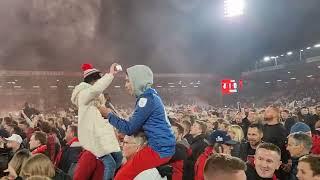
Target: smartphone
column 239, row 106
column 118, row 67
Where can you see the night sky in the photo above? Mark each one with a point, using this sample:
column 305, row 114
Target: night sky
column 176, row 36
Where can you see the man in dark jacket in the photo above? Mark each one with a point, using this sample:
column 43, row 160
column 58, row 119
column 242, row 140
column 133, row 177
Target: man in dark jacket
column 288, row 121
column 198, row 145
column 70, row 153
column 306, row 117
column 299, row 144
column 254, row 136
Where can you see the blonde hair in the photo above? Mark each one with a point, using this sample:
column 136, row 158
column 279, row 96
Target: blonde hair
column 19, row 160
column 238, row 132
column 38, row 178
column 38, row 165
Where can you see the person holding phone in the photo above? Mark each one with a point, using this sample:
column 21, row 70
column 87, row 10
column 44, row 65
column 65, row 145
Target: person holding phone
column 150, row 117
column 95, row 134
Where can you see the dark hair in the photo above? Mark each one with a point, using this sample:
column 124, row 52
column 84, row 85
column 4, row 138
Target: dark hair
column 258, row 126
column 92, row 77
column 313, row 161
column 74, row 130
column 270, row 147
column 223, row 163
column 45, row 127
column 7, row 120
column 286, row 111
column 179, row 127
column 41, row 137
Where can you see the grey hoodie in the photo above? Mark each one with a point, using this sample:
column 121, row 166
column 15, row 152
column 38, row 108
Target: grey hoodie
column 141, row 78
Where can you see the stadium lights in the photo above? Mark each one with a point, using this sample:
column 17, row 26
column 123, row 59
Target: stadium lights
column 316, row 46
column 301, row 50
column 267, row 82
column 308, row 48
column 282, row 55
column 184, row 86
column 70, row 86
column 233, row 8
column 289, row 53
column 279, row 80
column 266, row 59
column 293, row 78
column 172, row 86
column 309, row 76
column 117, row 86
column 195, row 86
column 159, row 86
column 36, row 87
column 289, row 72
column 319, row 67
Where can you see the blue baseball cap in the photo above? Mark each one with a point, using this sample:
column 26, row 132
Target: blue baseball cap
column 222, row 137
column 300, row 127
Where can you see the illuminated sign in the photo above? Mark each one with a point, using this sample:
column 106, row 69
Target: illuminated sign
column 230, row 86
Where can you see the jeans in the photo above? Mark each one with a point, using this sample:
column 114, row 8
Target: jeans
column 111, row 163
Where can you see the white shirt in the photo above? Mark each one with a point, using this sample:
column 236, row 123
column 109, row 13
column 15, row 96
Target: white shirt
column 150, row 174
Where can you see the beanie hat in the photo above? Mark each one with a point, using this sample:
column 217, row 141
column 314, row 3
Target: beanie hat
column 88, row 70
column 300, row 127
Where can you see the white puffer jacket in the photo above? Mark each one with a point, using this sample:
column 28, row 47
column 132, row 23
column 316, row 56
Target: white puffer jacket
column 94, row 132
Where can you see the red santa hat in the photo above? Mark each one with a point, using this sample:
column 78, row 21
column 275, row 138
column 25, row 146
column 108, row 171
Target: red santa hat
column 88, row 70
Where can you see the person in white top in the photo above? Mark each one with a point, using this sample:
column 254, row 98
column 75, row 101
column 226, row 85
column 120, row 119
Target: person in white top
column 95, row 134
column 131, row 145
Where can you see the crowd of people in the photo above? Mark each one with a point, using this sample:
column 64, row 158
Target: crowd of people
column 152, row 141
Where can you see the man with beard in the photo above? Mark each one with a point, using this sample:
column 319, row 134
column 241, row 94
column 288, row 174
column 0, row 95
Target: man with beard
column 254, row 136
column 275, row 133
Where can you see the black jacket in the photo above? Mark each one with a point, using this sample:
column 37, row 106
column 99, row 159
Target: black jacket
column 70, row 154
column 288, row 123
column 245, row 151
column 197, row 146
column 277, row 134
column 60, row 175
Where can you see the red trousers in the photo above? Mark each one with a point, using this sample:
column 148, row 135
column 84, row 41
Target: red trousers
column 145, row 159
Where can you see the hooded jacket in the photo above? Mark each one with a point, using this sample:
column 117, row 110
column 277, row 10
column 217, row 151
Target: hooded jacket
column 94, row 133
column 149, row 114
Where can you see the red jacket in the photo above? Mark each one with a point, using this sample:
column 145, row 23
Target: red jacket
column 88, row 167
column 40, row 150
column 53, row 146
column 315, row 144
column 201, row 161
